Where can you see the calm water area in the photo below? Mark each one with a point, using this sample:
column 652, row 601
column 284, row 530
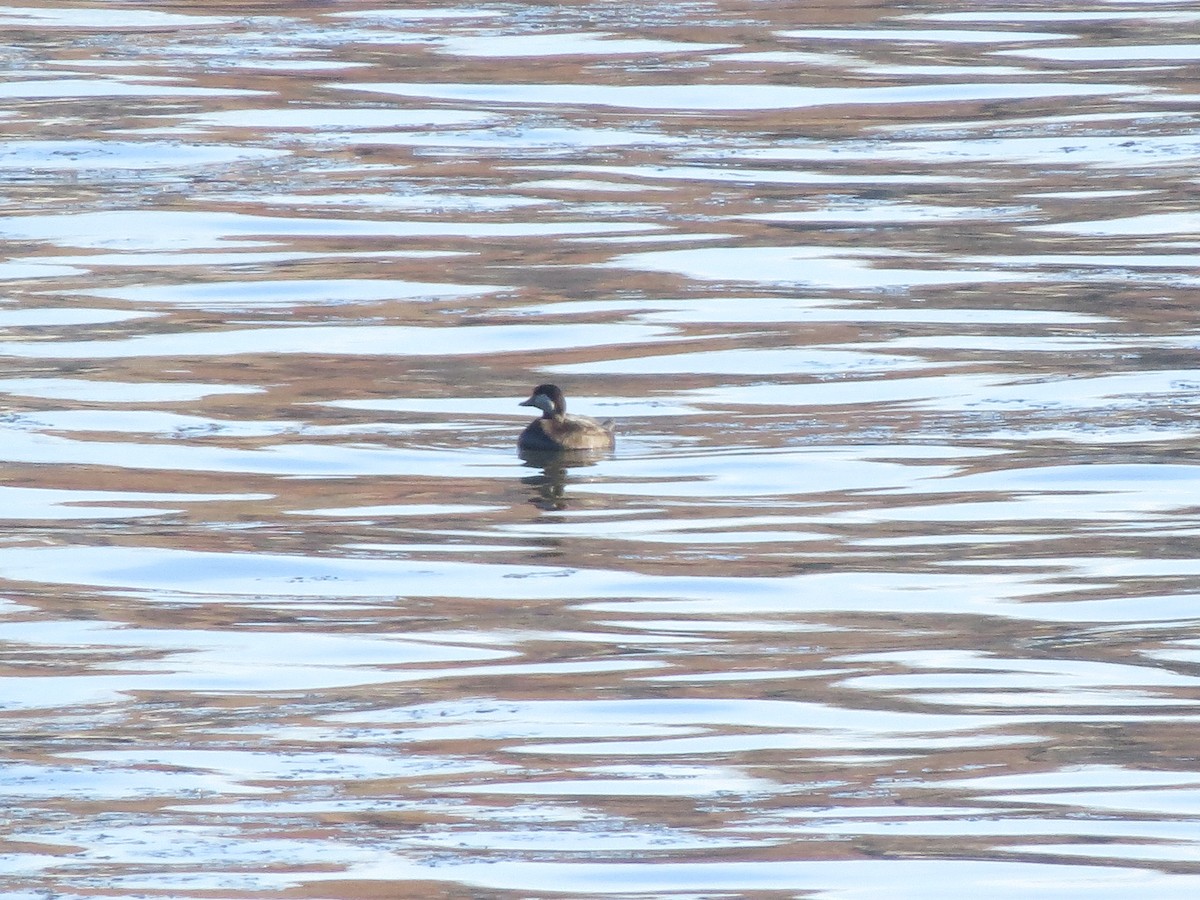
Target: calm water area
column 890, row 588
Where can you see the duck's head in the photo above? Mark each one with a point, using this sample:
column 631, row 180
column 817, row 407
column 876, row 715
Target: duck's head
column 548, row 398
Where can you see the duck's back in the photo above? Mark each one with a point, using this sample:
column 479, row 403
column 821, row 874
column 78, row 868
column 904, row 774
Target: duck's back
column 566, row 433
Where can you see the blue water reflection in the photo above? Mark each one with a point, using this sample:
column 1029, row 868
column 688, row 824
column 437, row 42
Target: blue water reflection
column 890, row 583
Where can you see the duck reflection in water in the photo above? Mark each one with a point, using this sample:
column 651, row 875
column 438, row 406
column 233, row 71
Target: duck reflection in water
column 557, row 442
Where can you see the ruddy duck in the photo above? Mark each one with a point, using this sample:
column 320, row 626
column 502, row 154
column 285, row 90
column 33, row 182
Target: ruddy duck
column 555, row 430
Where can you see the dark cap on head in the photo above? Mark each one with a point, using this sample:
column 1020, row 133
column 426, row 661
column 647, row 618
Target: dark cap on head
column 551, row 392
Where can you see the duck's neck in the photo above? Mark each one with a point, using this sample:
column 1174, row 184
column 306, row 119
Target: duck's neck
column 552, row 410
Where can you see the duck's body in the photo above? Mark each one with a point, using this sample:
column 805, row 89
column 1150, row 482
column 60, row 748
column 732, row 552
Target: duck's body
column 555, row 430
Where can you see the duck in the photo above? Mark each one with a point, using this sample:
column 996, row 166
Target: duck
column 555, row 430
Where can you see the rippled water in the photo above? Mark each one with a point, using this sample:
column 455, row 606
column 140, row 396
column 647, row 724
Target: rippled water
column 891, row 588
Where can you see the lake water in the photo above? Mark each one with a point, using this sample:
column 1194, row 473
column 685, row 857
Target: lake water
column 891, row 588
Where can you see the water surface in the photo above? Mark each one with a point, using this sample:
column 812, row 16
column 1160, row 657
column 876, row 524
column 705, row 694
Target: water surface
column 890, row 584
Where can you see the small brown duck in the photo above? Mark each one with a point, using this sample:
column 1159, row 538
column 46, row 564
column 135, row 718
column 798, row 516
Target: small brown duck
column 555, row 430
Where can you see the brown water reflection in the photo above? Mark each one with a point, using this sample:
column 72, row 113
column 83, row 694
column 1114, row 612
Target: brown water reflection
column 889, row 585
